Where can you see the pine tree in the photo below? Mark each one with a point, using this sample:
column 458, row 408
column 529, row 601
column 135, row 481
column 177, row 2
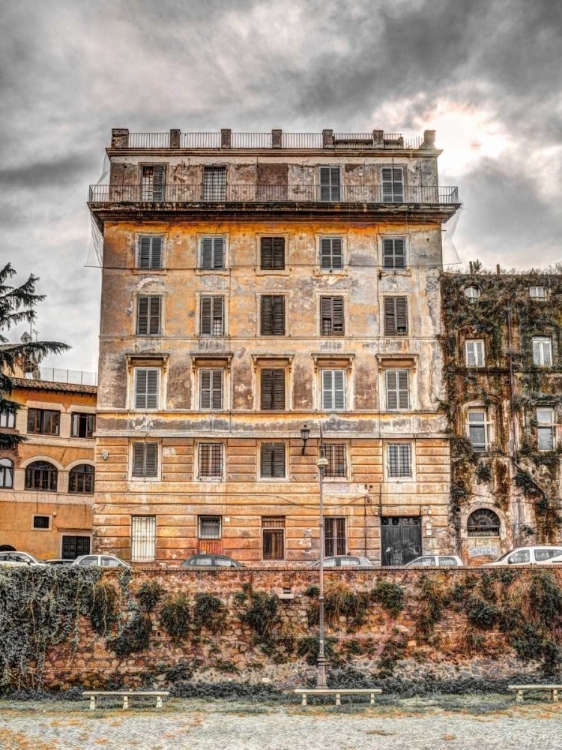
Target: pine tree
column 17, row 305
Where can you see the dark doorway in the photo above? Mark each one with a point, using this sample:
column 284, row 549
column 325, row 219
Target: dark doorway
column 74, row 546
column 400, row 539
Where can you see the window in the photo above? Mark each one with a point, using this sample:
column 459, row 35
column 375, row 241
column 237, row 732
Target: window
column 74, row 546
column 395, row 316
column 152, row 183
column 337, row 464
column 42, row 522
column 143, row 538
column 333, row 390
column 8, row 418
column 330, row 183
column 214, row 183
column 483, row 522
column 210, row 527
column 394, row 253
column 148, row 316
column 150, row 252
column 212, row 316
column 6, row 473
column 212, row 253
column 399, row 460
column 331, row 316
column 546, row 554
column 545, row 429
column 335, row 542
column 331, row 253
column 211, row 389
column 542, row 351
column 145, row 460
column 272, row 315
column 520, row 557
column 392, row 185
column 81, row 479
column 478, row 429
column 472, row 293
column 43, row 421
column 41, row 475
column 397, row 390
column 147, row 383
column 537, row 292
column 272, row 461
column 273, row 536
column 210, row 460
column 273, row 390
column 272, row 253
column 83, row 425
column 474, row 353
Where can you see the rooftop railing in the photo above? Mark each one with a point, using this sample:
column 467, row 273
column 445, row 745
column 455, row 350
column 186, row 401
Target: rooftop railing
column 59, row 375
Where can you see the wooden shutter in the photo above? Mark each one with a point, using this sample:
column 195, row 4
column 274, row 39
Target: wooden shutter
column 206, row 315
column 138, row 459
column 207, row 252
column 146, row 388
column 272, row 315
column 278, row 316
column 272, row 389
column 395, row 316
column 331, row 253
column 218, row 252
column 331, row 315
column 403, row 389
column 389, row 317
column 272, row 254
column 158, row 182
column 148, row 317
column 339, row 389
column 151, row 459
column 210, row 389
column 401, row 315
column 333, row 390
column 394, row 255
column 144, row 252
column 272, row 460
column 212, row 316
column 397, row 390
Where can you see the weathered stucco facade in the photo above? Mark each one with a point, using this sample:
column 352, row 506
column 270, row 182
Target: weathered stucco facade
column 335, row 360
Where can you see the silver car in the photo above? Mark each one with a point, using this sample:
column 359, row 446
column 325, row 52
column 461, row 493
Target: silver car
column 345, row 561
column 435, row 561
column 19, row 558
column 104, row 561
column 538, row 555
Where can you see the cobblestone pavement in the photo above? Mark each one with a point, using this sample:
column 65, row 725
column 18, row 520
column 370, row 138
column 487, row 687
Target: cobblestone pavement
column 459, row 723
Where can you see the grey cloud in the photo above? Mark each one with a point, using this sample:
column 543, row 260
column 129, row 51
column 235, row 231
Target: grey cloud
column 48, row 173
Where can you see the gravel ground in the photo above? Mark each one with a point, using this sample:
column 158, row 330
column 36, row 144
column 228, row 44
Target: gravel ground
column 455, row 723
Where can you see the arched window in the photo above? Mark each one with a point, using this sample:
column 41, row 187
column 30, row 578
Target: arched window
column 41, row 475
column 472, row 293
column 6, row 473
column 483, row 522
column 81, row 479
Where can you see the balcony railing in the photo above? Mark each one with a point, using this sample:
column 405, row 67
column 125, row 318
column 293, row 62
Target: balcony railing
column 182, row 193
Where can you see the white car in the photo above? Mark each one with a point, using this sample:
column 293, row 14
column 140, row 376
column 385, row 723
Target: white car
column 435, row 561
column 19, row 558
column 104, row 561
column 539, row 555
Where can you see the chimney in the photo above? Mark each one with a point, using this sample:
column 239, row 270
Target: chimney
column 120, row 138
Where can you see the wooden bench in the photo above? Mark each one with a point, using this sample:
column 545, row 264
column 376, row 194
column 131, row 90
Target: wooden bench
column 552, row 689
column 338, row 692
column 126, row 694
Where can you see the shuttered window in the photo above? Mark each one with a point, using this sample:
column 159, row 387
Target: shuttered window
column 149, row 311
column 331, row 316
column 474, row 353
column 143, row 538
column 399, row 460
column 145, row 460
column 272, row 461
column 333, row 390
column 152, row 183
column 330, row 184
column 397, row 390
column 212, row 253
column 147, row 382
column 214, row 183
column 211, row 389
column 334, row 537
column 273, row 390
column 542, row 351
column 210, row 460
column 272, row 253
column 273, row 535
column 331, row 253
column 337, row 464
column 395, row 316
column 150, row 252
column 392, row 185
column 272, row 315
column 212, row 316
column 394, row 253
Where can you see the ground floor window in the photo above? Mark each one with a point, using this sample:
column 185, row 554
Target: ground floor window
column 483, row 522
column 209, row 534
column 74, row 546
column 273, row 534
column 335, row 542
column 143, row 538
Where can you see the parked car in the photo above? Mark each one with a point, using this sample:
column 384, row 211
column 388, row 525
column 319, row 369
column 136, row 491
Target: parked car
column 59, row 561
column 539, row 555
column 19, row 558
column 105, row 561
column 210, row 561
column 435, row 561
column 345, row 561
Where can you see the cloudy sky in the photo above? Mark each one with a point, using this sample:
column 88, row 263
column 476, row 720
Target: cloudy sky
column 486, row 74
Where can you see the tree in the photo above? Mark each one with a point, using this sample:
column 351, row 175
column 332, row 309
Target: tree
column 17, row 305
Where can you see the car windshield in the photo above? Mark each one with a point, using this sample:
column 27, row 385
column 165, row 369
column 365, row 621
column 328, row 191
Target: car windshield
column 503, row 556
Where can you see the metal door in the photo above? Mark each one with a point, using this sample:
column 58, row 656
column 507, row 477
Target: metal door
column 400, row 539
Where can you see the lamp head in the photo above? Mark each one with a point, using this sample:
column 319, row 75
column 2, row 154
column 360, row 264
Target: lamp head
column 322, row 462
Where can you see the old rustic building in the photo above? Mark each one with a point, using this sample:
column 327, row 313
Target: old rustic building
column 254, row 284
column 503, row 375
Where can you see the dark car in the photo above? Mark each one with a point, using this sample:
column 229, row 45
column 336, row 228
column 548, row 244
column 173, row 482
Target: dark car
column 203, row 561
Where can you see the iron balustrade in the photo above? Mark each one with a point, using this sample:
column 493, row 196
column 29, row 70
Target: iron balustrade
column 149, row 140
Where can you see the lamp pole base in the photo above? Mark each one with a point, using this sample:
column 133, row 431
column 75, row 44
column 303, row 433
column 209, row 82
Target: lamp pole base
column 321, row 672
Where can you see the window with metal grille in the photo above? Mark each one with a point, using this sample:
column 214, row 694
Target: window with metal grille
column 42, row 522
column 43, row 421
column 330, row 187
column 333, row 390
column 392, row 185
column 474, row 353
column 335, row 542
column 272, row 461
column 145, row 460
column 211, row 389
column 209, row 527
column 478, row 429
column 210, row 460
column 149, row 311
column 273, row 389
column 147, row 384
column 336, row 456
column 41, row 475
column 545, row 429
column 212, row 316
column 143, row 538
column 272, row 253
column 537, row 292
column 472, row 293
column 6, row 473
column 397, row 390
column 214, row 183
column 483, row 522
column 331, row 316
column 395, row 316
column 273, row 536
column 150, row 252
column 81, row 479
column 212, row 253
column 394, row 253
column 542, row 351
column 152, row 183
column 272, row 315
column 83, row 425
column 331, row 253
column 8, row 418
column 399, row 460
column 74, row 546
